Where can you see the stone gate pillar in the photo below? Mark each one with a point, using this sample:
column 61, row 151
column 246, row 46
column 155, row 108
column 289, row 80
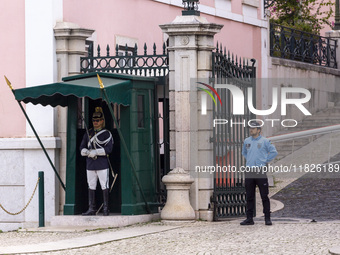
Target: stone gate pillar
column 70, row 46
column 335, row 34
column 191, row 41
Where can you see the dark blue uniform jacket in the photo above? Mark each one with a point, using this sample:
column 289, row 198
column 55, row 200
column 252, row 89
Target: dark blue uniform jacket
column 103, row 140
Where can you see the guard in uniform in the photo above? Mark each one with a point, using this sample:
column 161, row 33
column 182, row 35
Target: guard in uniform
column 258, row 152
column 96, row 146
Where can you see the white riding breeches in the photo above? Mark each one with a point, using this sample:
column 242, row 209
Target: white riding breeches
column 94, row 175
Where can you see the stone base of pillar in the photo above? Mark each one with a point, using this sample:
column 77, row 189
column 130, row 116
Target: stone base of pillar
column 207, row 215
column 177, row 222
column 177, row 206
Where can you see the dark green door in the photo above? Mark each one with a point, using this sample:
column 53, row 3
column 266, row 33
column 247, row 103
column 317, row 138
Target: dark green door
column 138, row 129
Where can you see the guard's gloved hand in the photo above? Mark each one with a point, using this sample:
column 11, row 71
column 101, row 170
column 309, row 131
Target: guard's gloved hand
column 84, row 152
column 92, row 154
column 100, row 152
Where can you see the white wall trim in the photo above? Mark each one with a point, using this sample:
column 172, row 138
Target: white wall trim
column 253, row 3
column 221, row 13
column 40, row 60
column 29, row 143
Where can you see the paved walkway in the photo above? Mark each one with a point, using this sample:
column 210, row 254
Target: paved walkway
column 286, row 236
column 293, row 231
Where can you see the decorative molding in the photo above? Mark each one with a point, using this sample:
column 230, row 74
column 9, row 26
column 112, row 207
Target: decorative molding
column 305, row 66
column 185, row 40
column 253, row 3
column 29, row 143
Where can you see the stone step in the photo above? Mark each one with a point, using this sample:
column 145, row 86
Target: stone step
column 330, row 110
column 289, row 147
column 113, row 220
column 324, row 118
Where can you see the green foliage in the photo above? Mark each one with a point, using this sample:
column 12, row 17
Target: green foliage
column 306, row 15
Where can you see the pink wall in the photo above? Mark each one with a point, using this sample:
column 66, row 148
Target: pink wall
column 332, row 19
column 236, row 7
column 12, row 64
column 140, row 19
column 242, row 40
column 132, row 18
column 208, row 3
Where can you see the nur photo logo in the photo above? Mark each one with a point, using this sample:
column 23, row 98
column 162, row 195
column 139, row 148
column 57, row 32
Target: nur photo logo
column 204, row 97
column 239, row 103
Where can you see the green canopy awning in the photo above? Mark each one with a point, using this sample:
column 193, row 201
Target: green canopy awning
column 86, row 85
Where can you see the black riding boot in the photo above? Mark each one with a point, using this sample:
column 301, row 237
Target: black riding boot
column 106, row 202
column 92, row 203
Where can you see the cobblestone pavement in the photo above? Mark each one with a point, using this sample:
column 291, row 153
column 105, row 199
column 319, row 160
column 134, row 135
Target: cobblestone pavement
column 313, row 196
column 292, row 231
column 310, row 198
column 284, row 237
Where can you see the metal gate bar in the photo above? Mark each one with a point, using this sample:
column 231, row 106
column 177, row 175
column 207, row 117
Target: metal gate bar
column 229, row 197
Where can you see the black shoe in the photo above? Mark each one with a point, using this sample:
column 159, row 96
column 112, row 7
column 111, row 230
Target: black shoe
column 268, row 222
column 247, row 222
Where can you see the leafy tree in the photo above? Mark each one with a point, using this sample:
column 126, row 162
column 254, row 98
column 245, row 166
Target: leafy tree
column 306, row 15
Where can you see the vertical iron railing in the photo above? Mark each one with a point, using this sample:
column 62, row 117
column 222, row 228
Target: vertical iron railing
column 128, row 60
column 229, row 196
column 289, row 43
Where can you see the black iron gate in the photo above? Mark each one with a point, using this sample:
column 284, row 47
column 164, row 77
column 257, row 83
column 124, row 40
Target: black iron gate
column 229, row 198
column 126, row 60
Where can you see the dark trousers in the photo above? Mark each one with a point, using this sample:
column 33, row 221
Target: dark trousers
column 250, row 184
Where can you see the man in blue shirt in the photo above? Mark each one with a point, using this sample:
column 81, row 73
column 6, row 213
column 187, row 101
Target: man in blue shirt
column 258, row 151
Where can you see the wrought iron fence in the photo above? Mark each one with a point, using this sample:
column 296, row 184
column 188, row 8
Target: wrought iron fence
column 289, row 43
column 225, row 65
column 127, row 60
column 229, row 196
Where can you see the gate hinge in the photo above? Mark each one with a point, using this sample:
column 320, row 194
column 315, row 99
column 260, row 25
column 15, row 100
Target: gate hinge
column 211, row 140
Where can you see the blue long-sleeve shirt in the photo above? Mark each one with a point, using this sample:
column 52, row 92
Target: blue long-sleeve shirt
column 258, row 152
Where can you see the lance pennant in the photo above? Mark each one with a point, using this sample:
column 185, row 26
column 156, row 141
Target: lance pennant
column 213, row 90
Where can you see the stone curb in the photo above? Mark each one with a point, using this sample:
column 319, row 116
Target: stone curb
column 335, row 250
column 86, row 241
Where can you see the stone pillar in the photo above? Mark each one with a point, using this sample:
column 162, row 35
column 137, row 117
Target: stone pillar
column 70, row 46
column 191, row 41
column 177, row 207
column 335, row 34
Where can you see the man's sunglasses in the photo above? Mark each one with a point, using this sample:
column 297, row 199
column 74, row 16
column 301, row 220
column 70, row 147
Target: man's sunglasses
column 96, row 120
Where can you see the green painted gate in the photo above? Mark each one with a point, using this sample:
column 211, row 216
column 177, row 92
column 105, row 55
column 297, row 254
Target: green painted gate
column 229, row 197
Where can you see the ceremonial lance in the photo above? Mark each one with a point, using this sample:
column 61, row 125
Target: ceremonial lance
column 36, row 135
column 122, row 140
